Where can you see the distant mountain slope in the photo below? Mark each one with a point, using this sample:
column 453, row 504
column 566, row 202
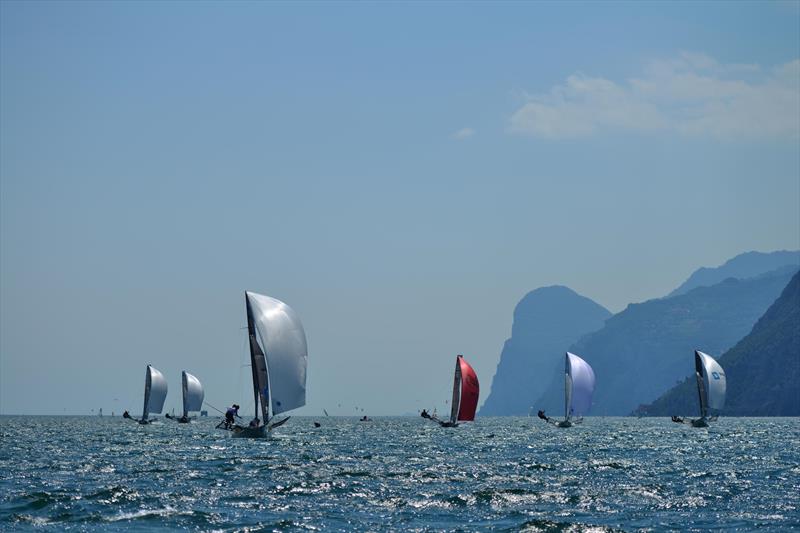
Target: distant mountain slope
column 546, row 321
column 642, row 351
column 762, row 370
column 746, row 265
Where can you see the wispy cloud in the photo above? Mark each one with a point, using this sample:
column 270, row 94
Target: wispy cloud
column 691, row 94
column 464, row 133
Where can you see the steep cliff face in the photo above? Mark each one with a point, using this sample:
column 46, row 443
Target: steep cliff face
column 546, row 321
column 762, row 370
column 642, row 351
column 743, row 266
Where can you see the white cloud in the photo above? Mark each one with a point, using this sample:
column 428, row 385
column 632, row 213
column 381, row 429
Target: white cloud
column 464, row 133
column 691, row 94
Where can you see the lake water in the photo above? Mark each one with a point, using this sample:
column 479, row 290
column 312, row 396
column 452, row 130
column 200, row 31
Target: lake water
column 400, row 473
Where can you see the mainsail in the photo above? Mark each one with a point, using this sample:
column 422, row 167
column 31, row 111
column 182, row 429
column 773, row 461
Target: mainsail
column 465, row 392
column 279, row 354
column 192, row 393
column 711, row 383
column 155, row 392
column 579, row 386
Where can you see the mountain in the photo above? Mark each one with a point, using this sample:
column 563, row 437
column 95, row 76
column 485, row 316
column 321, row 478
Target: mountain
column 762, row 370
column 746, row 265
column 546, row 321
column 642, row 351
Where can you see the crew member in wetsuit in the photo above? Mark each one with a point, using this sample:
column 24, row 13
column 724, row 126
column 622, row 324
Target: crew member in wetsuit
column 543, row 416
column 424, row 414
column 230, row 414
column 126, row 414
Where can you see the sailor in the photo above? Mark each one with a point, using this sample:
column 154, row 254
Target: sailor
column 126, row 414
column 677, row 419
column 424, row 414
column 543, row 416
column 254, row 422
column 233, row 411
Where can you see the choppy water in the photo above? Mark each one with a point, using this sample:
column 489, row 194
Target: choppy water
column 400, row 473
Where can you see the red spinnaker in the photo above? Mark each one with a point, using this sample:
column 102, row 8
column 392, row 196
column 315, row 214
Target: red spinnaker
column 469, row 391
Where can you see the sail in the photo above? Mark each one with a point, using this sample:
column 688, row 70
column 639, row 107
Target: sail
column 470, row 389
column 192, row 393
column 711, row 382
column 455, row 404
column 155, row 392
column 283, row 341
column 579, row 386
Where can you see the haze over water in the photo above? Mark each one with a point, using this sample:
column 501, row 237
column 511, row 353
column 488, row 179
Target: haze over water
column 400, row 473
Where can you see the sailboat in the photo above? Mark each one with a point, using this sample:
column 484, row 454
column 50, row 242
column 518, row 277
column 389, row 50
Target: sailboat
column 711, row 386
column 579, row 384
column 193, row 395
column 465, row 396
column 278, row 359
column 155, row 392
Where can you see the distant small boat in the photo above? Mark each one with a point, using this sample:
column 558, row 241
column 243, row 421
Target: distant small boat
column 278, row 359
column 711, row 387
column 579, row 382
column 193, row 395
column 155, row 392
column 466, row 390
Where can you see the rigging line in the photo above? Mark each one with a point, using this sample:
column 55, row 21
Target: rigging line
column 214, row 408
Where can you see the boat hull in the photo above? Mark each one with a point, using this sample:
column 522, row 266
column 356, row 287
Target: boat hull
column 260, row 432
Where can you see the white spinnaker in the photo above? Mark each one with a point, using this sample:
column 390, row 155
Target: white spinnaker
column 714, row 381
column 580, row 382
column 192, row 393
column 155, row 392
column 284, row 343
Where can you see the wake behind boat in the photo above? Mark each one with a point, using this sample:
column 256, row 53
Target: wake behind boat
column 579, row 381
column 278, row 359
column 711, row 387
column 465, row 396
column 155, row 392
column 193, row 395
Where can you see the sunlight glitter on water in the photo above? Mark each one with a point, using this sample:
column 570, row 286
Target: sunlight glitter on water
column 400, row 473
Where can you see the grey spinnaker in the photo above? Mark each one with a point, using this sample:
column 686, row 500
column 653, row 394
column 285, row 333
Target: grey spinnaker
column 278, row 360
column 580, row 382
column 193, row 393
column 283, row 341
column 711, row 383
column 711, row 388
column 155, row 392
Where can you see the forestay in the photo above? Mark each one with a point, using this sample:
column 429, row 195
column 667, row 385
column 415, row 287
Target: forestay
column 579, row 386
column 283, row 340
column 193, row 393
column 711, row 382
column 155, row 392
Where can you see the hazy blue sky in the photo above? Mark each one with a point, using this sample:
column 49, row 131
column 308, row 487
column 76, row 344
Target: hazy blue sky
column 400, row 173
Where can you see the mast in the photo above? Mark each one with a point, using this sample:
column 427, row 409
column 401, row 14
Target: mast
column 567, row 388
column 147, row 382
column 701, row 390
column 185, row 388
column 455, row 404
column 257, row 362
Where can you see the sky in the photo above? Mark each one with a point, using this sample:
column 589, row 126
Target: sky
column 401, row 174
